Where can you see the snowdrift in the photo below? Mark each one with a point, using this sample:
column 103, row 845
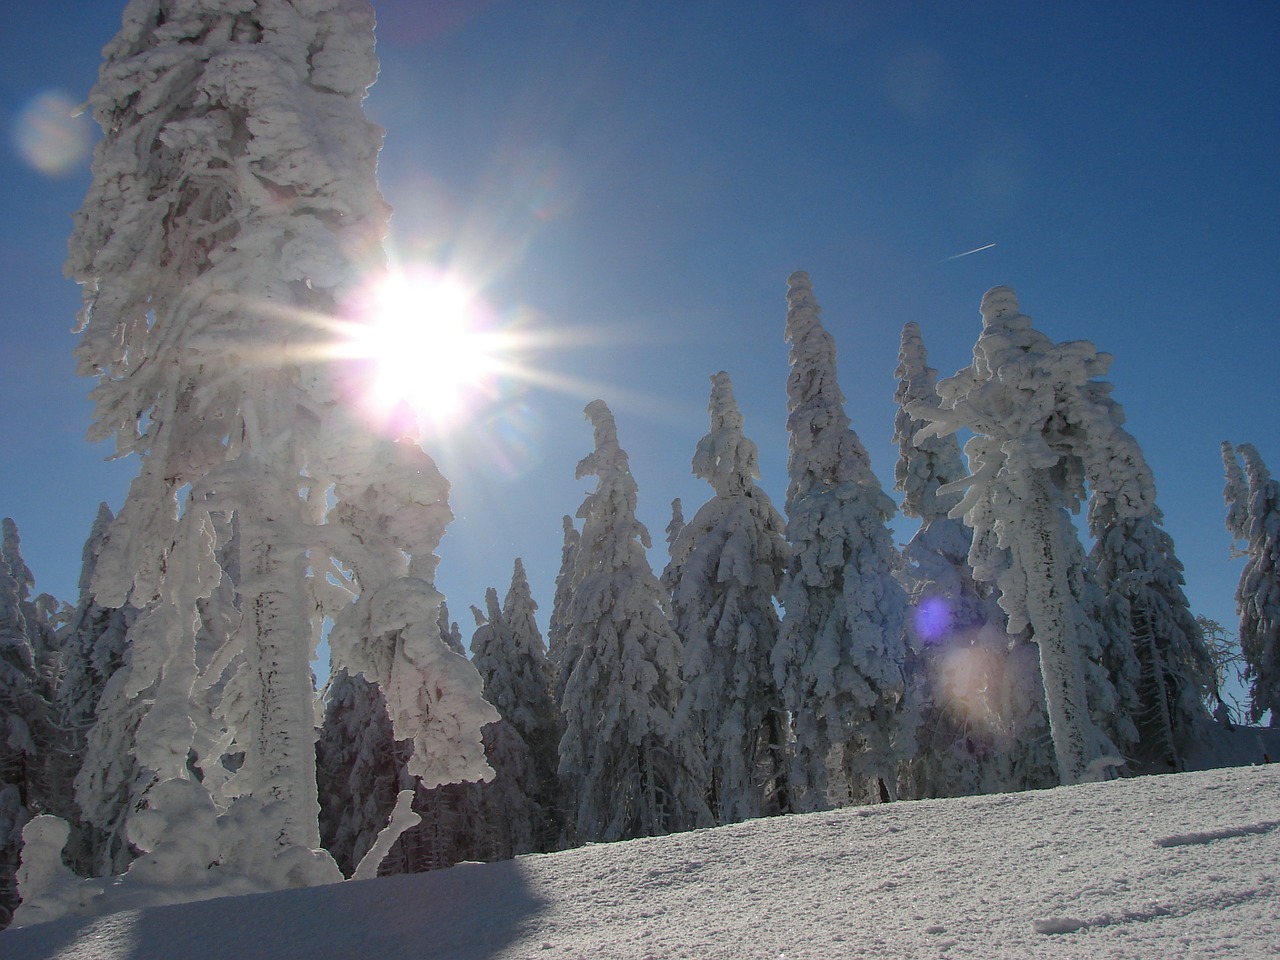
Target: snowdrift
column 1184, row 865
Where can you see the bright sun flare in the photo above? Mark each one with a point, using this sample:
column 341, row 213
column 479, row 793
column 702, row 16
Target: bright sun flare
column 430, row 347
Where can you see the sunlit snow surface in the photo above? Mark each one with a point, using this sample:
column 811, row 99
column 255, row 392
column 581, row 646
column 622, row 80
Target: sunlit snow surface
column 1153, row 867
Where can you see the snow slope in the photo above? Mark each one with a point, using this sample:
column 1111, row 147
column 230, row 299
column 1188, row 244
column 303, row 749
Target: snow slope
column 1154, row 867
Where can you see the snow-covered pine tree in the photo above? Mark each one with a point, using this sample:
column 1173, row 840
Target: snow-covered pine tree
column 628, row 772
column 517, row 807
column 534, row 714
column 234, row 200
column 1236, row 494
column 842, row 647
column 1135, row 561
column 26, row 717
column 1042, row 428
column 357, row 769
column 561, row 659
column 93, row 648
column 726, row 566
column 1258, row 593
column 450, row 632
column 960, row 659
column 676, row 524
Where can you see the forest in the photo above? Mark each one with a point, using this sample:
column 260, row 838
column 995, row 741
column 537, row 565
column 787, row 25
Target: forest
column 164, row 737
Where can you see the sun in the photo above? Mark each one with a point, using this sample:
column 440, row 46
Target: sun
column 428, row 349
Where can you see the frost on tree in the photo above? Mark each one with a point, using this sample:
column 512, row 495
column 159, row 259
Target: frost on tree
column 841, row 651
column 534, row 712
column 94, row 646
column 233, row 203
column 1258, row 593
column 357, row 769
column 561, row 659
column 982, row 712
column 518, row 806
column 1142, row 577
column 1042, row 428
column 27, row 733
column 724, row 575
column 627, row 771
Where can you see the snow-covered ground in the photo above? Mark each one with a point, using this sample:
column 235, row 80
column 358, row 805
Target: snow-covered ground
column 1153, row 867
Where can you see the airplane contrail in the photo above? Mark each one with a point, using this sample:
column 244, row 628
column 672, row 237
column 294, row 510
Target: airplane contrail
column 967, row 252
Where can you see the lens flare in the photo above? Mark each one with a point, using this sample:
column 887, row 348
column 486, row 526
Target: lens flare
column 50, row 136
column 427, row 353
column 932, row 619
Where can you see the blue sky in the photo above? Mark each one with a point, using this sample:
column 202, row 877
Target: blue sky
column 639, row 178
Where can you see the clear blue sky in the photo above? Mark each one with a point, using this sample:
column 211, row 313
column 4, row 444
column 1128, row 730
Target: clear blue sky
column 641, row 177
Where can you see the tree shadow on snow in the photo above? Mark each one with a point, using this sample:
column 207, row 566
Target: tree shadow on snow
column 468, row 912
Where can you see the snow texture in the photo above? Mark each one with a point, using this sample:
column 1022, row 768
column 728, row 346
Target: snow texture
column 1173, row 866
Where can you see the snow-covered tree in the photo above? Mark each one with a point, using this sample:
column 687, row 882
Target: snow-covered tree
column 841, row 652
column 234, row 201
column 93, row 649
column 357, row 769
column 534, row 712
column 1042, row 428
column 1135, row 561
column 978, row 734
column 517, row 807
column 726, row 565
column 26, row 718
column 450, row 632
column 1258, row 593
column 560, row 658
column 627, row 770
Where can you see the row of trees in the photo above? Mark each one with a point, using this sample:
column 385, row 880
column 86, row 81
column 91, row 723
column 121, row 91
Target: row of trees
column 165, row 727
column 790, row 665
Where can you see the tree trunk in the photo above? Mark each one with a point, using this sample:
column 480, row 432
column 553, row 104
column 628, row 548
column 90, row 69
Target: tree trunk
column 1049, row 608
column 280, row 741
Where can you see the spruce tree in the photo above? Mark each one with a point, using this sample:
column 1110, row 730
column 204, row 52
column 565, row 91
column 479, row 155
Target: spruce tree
column 27, row 735
column 93, row 646
column 534, row 713
column 841, row 653
column 560, row 658
column 981, row 716
column 517, row 806
column 726, row 566
column 256, row 475
column 1042, row 428
column 1258, row 593
column 357, row 769
column 626, row 769
column 1134, row 558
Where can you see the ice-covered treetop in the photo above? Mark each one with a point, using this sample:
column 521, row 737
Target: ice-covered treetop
column 822, row 450
column 725, row 458
column 236, row 180
column 1264, row 494
column 607, row 458
column 929, row 462
column 615, row 495
column 1033, row 405
column 11, row 562
column 1255, row 470
column 519, row 595
column 677, row 522
column 1236, row 494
